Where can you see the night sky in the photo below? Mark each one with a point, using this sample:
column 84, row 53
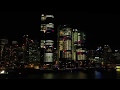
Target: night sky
column 100, row 28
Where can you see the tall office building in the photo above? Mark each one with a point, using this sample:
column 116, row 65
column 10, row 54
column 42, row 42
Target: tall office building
column 81, row 50
column 107, row 52
column 74, row 44
column 13, row 54
column 65, row 42
column 3, row 42
column 34, row 56
column 26, row 49
column 47, row 42
column 71, row 44
column 6, row 54
column 79, row 46
column 21, row 54
column 64, row 47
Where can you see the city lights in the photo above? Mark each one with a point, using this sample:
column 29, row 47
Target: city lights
column 69, row 53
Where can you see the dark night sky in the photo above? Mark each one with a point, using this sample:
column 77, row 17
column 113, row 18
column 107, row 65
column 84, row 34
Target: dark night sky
column 101, row 28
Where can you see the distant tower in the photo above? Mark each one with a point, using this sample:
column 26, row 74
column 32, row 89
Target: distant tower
column 26, row 48
column 107, row 52
column 47, row 41
column 3, row 42
column 81, row 50
column 33, row 52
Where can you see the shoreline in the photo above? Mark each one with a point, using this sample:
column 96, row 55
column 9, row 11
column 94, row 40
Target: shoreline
column 38, row 71
column 23, row 74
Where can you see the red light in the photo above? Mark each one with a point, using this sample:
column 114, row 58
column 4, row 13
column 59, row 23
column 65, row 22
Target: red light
column 16, row 45
column 31, row 40
column 52, row 30
column 79, row 53
column 79, row 41
column 65, row 38
column 64, row 51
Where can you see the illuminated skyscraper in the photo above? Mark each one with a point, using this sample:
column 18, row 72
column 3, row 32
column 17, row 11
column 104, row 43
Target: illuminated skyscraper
column 26, row 49
column 65, row 42
column 34, row 52
column 3, row 42
column 71, row 44
column 78, row 47
column 13, row 54
column 64, row 47
column 47, row 43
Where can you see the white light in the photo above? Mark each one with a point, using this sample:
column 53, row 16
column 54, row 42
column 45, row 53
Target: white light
column 2, row 72
column 50, row 25
column 76, row 30
column 50, row 46
column 50, row 16
column 42, row 15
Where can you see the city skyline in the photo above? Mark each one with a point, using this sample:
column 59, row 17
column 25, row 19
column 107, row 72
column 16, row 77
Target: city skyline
column 34, row 43
column 100, row 28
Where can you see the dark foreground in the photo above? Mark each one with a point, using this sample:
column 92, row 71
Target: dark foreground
column 63, row 74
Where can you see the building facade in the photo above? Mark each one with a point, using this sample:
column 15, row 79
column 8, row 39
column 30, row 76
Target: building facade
column 47, row 42
column 71, row 45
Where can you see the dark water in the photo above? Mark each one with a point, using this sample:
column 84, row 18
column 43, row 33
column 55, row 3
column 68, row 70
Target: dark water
column 72, row 75
column 77, row 75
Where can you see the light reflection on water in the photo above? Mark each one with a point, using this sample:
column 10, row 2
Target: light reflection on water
column 48, row 76
column 98, row 75
column 82, row 75
column 68, row 75
column 79, row 75
column 118, row 73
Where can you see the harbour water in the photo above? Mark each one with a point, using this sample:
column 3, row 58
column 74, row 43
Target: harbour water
column 78, row 75
column 96, row 74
